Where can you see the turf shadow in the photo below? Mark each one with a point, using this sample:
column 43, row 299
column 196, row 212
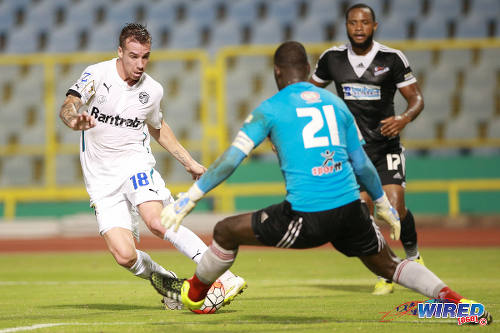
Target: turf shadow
column 107, row 307
column 358, row 288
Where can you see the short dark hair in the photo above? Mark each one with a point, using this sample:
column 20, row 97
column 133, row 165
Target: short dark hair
column 137, row 32
column 291, row 54
column 360, row 5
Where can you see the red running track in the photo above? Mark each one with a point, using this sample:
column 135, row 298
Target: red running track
column 427, row 237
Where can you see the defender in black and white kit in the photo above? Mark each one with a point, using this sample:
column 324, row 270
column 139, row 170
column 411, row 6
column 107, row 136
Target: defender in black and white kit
column 366, row 75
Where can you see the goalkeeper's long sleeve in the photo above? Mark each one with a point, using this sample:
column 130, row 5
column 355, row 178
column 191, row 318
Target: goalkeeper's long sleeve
column 221, row 169
column 366, row 172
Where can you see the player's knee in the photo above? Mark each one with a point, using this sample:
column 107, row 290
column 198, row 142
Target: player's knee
column 222, row 234
column 155, row 226
column 125, row 257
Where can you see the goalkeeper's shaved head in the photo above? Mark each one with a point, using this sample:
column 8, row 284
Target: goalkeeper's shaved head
column 290, row 64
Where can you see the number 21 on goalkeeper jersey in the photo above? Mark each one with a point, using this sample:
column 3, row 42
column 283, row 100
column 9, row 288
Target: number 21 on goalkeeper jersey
column 313, row 131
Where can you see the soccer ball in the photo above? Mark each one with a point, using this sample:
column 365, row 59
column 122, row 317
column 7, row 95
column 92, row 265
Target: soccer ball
column 214, row 299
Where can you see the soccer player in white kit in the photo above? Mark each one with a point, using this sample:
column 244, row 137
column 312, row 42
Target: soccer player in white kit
column 118, row 166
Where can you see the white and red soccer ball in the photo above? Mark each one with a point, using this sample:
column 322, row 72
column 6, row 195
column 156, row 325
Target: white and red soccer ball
column 214, row 299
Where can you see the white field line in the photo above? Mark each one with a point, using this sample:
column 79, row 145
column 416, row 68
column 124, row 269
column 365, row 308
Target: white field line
column 37, row 326
column 30, row 328
column 45, row 283
column 239, row 322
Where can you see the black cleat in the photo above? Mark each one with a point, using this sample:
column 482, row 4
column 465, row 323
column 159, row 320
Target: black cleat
column 167, row 286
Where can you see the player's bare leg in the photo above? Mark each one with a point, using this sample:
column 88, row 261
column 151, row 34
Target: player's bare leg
column 188, row 243
column 121, row 244
column 396, row 195
column 382, row 286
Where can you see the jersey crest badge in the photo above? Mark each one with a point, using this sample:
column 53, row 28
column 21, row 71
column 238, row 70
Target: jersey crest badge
column 143, row 97
column 101, row 99
column 310, row 97
column 380, row 70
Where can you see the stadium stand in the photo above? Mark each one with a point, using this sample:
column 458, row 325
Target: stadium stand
column 68, row 170
column 285, row 11
column 18, row 171
column 243, row 11
column 445, row 9
column 433, row 27
column 463, row 127
column 75, row 14
column 406, row 10
column 270, row 31
column 378, row 6
column 313, row 31
column 67, row 38
column 472, row 26
column 393, row 28
column 228, row 32
column 186, row 35
column 420, row 60
column 324, row 11
column 104, row 37
column 205, row 12
column 461, row 86
column 488, row 9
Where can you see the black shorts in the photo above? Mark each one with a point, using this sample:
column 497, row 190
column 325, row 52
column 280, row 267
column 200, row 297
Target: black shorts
column 390, row 166
column 349, row 228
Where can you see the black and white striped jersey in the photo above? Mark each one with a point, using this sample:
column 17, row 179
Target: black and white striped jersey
column 367, row 85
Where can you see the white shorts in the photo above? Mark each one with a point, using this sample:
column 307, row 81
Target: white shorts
column 120, row 208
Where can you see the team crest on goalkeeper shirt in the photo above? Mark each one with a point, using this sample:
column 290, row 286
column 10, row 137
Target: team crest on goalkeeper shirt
column 310, row 97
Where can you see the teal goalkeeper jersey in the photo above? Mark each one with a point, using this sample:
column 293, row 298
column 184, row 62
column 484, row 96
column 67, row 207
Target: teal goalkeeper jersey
column 313, row 131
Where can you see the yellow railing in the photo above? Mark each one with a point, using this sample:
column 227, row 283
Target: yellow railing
column 215, row 139
column 225, row 194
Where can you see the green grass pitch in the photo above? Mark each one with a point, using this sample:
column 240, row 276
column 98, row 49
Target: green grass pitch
column 289, row 291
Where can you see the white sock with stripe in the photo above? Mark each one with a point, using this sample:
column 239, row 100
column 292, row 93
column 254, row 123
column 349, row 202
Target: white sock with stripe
column 419, row 278
column 214, row 262
column 187, row 242
column 145, row 266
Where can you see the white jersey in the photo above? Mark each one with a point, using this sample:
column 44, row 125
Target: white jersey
column 118, row 146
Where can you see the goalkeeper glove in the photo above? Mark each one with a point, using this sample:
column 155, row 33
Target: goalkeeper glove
column 387, row 213
column 173, row 213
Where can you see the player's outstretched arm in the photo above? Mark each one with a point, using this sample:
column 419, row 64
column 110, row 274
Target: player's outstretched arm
column 70, row 116
column 166, row 138
column 367, row 174
column 220, row 170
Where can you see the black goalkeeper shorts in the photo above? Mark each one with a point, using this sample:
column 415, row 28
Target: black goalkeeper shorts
column 349, row 228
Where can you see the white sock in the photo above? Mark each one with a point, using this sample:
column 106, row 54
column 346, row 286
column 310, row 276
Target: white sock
column 418, row 278
column 187, row 242
column 145, row 266
column 215, row 261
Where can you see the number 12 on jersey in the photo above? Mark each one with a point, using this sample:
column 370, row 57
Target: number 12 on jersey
column 316, row 124
column 141, row 179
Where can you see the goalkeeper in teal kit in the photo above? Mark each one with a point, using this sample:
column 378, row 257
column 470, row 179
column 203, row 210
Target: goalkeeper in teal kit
column 320, row 153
